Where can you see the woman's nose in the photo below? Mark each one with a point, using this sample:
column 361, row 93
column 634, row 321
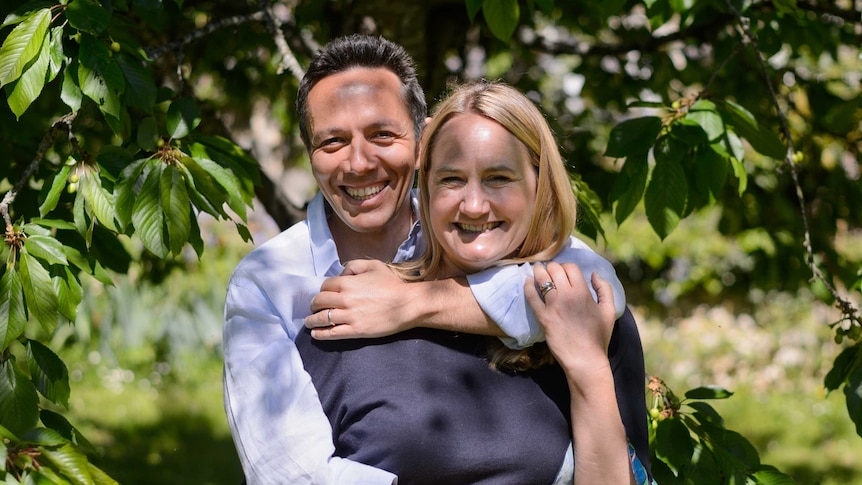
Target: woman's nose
column 474, row 202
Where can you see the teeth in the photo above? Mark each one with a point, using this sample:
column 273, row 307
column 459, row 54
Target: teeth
column 365, row 192
column 477, row 228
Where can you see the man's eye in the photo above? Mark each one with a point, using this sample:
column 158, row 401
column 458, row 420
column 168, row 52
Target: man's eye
column 383, row 136
column 330, row 143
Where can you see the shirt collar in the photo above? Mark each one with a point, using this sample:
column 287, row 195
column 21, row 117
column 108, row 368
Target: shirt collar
column 323, row 251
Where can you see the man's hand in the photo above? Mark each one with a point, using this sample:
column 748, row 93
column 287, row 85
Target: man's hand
column 367, row 300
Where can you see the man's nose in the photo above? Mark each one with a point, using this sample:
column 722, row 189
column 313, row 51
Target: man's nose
column 360, row 156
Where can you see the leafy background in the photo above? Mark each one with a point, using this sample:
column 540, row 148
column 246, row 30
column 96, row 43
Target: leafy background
column 713, row 145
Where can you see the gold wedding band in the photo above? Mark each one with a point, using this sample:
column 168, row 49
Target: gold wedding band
column 546, row 287
column 329, row 317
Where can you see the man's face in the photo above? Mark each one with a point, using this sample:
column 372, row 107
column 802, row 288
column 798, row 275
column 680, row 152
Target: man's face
column 363, row 148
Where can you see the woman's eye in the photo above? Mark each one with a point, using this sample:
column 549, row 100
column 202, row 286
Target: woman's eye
column 450, row 181
column 499, row 180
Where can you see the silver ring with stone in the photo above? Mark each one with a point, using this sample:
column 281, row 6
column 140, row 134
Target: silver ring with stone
column 546, row 287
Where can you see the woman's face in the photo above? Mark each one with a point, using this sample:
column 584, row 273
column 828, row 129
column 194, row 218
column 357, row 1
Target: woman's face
column 482, row 191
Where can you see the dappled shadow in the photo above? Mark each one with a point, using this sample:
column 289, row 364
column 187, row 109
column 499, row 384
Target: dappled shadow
column 180, row 449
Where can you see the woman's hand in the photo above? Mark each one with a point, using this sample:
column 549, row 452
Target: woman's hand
column 577, row 328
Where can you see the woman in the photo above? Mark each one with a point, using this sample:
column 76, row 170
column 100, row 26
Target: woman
column 424, row 403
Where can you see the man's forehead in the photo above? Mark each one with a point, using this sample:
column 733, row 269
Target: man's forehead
column 359, row 81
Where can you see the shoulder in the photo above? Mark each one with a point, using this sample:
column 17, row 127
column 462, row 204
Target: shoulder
column 290, row 246
column 580, row 253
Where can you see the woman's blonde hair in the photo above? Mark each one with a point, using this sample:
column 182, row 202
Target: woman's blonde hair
column 555, row 210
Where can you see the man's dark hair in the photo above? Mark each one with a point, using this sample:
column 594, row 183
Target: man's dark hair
column 357, row 50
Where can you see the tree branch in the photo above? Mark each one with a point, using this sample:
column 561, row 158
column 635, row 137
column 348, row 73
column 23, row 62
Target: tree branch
column 849, row 312
column 194, row 35
column 64, row 124
column 273, row 24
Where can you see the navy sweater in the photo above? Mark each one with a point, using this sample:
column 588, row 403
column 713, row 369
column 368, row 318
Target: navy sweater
column 425, row 405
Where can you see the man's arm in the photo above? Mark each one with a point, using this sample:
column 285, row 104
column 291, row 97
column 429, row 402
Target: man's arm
column 369, row 300
column 276, row 420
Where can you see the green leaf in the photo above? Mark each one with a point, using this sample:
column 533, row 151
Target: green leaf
column 206, row 194
column 22, row 45
column 730, row 146
column 841, row 367
column 69, row 294
column 100, row 202
column 746, row 126
column 112, row 161
column 29, row 86
column 853, row 395
column 57, row 183
column 773, row 477
column 55, row 223
column 43, row 436
column 589, row 205
column 473, row 7
column 706, row 414
column 83, row 223
column 99, row 76
column 665, row 197
column 141, row 89
column 13, row 314
column 126, row 190
column 148, row 134
column 710, row 174
column 175, row 204
column 245, row 234
column 70, row 462
column 502, row 17
column 48, row 373
column 147, row 216
column 39, row 293
column 707, row 118
column 733, row 450
column 88, row 15
column 546, row 6
column 740, row 173
column 195, row 239
column 630, row 186
column 62, row 426
column 633, row 136
column 673, row 444
column 183, row 117
column 229, row 183
column 70, row 92
column 229, row 155
column 19, row 409
column 31, row 229
column 57, row 56
column 689, row 132
column 24, row 11
column 708, row 392
column 99, row 477
column 46, row 248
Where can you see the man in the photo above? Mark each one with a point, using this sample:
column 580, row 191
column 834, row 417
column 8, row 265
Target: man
column 361, row 111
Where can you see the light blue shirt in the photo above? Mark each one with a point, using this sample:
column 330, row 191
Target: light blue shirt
column 277, row 422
